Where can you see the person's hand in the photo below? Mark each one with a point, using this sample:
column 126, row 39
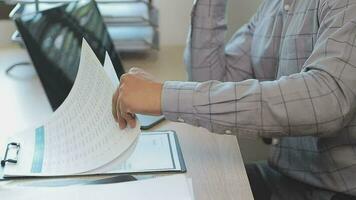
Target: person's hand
column 138, row 93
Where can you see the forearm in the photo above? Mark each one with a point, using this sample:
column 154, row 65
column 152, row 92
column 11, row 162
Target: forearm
column 292, row 106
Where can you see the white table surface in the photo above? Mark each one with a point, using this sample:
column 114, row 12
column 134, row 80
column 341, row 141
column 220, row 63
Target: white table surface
column 213, row 161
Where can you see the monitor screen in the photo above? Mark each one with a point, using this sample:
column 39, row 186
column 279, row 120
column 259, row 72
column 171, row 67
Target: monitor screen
column 53, row 39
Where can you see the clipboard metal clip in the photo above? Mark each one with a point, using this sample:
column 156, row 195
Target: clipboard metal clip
column 11, row 146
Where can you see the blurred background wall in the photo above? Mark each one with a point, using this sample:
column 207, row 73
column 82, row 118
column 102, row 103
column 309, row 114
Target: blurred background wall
column 175, row 18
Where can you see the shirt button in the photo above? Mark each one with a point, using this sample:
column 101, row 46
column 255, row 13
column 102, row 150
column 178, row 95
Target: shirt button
column 180, row 119
column 228, row 132
column 275, row 141
column 287, row 7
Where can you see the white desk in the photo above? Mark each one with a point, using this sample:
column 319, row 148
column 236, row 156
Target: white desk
column 213, row 161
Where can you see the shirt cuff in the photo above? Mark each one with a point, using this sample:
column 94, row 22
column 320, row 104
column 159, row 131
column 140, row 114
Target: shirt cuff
column 178, row 101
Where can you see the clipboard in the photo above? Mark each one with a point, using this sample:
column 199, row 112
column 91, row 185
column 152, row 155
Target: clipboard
column 10, row 146
column 171, row 149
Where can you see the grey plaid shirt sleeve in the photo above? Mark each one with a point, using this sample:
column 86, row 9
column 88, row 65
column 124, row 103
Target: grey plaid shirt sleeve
column 206, row 56
column 319, row 100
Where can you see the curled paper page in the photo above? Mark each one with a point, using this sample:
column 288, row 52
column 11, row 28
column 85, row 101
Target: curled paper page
column 110, row 70
column 81, row 135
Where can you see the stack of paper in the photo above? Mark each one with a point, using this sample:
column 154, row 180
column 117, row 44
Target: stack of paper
column 81, row 135
column 171, row 187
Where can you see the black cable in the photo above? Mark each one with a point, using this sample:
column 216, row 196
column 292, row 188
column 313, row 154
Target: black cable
column 8, row 70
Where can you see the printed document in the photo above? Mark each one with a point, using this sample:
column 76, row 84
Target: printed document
column 81, row 135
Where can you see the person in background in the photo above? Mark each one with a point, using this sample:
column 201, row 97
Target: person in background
column 288, row 74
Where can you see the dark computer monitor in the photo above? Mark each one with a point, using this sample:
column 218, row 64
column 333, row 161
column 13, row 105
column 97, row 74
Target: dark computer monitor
column 53, row 39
